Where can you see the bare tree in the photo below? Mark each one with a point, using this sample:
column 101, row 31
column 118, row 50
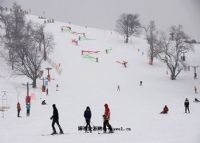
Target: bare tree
column 48, row 44
column 172, row 48
column 152, row 38
column 13, row 23
column 45, row 41
column 30, row 54
column 23, row 43
column 127, row 25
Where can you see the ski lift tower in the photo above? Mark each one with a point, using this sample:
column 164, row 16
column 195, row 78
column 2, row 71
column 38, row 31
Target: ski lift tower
column 48, row 76
column 195, row 71
column 4, row 103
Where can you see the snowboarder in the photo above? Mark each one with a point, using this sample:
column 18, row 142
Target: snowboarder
column 55, row 119
column 106, row 118
column 88, row 115
column 18, row 109
column 44, row 102
column 195, row 89
column 196, row 100
column 186, row 104
column 165, row 110
column 28, row 107
column 106, row 51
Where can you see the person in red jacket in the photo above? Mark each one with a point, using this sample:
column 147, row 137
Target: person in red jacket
column 28, row 99
column 106, row 118
column 165, row 110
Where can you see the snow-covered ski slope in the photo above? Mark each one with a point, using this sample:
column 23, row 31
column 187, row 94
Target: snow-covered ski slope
column 84, row 82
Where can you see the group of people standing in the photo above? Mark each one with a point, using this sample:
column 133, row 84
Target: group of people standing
column 28, row 106
column 87, row 116
column 106, row 118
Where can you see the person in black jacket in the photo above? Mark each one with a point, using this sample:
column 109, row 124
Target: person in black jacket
column 55, row 119
column 88, row 115
column 186, row 104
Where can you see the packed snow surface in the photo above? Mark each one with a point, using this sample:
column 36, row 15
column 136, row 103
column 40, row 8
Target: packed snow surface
column 84, row 82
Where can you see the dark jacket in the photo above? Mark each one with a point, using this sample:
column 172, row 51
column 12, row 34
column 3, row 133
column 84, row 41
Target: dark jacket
column 87, row 113
column 55, row 115
column 186, row 103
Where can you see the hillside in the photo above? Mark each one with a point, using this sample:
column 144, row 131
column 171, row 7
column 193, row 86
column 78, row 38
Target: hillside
column 84, row 82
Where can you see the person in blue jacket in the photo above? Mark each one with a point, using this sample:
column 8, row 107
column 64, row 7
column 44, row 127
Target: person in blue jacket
column 28, row 108
column 88, row 115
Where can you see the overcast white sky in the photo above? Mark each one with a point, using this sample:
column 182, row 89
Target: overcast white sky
column 104, row 13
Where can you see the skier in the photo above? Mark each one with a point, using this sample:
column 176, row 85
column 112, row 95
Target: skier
column 124, row 63
column 28, row 107
column 140, row 83
column 195, row 89
column 55, row 119
column 87, row 115
column 18, row 109
column 186, row 104
column 118, row 88
column 195, row 75
column 165, row 110
column 106, row 118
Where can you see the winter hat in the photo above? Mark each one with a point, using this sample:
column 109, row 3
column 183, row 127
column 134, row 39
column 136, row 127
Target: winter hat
column 106, row 105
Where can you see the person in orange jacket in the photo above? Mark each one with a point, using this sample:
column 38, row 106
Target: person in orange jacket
column 106, row 118
column 18, row 109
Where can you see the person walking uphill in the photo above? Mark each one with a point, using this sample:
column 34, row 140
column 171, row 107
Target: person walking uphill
column 106, row 118
column 55, row 119
column 88, row 115
column 18, row 109
column 186, row 104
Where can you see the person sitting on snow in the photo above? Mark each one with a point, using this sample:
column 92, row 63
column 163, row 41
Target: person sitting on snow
column 196, row 100
column 165, row 110
column 43, row 102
